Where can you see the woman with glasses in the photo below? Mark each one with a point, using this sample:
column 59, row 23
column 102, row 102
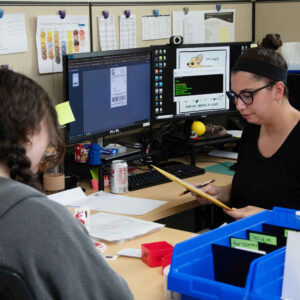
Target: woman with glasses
column 268, row 165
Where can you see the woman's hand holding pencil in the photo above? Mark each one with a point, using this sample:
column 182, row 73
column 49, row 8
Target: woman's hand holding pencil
column 199, row 186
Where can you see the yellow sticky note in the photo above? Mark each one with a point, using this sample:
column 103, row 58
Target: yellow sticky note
column 64, row 113
column 224, row 34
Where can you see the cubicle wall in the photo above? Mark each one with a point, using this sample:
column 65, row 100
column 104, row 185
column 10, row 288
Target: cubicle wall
column 278, row 17
column 243, row 18
column 26, row 63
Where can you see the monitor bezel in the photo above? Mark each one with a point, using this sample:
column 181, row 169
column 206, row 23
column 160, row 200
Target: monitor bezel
column 111, row 131
column 200, row 115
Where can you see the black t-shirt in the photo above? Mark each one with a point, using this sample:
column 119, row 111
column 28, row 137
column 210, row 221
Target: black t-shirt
column 267, row 182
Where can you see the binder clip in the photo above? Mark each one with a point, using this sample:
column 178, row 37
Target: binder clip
column 62, row 13
column 186, row 10
column 218, row 7
column 127, row 13
column 155, row 12
column 105, row 14
column 1, row 13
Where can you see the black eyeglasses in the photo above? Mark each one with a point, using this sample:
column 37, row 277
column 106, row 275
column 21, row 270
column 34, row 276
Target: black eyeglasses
column 246, row 96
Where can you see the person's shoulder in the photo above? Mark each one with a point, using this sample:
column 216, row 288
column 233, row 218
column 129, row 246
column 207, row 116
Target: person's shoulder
column 17, row 195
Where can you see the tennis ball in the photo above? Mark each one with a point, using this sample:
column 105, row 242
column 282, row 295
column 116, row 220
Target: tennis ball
column 198, row 127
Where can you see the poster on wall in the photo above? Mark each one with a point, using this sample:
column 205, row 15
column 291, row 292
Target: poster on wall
column 56, row 36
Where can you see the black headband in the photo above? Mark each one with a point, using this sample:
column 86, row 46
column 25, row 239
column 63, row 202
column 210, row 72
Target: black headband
column 261, row 68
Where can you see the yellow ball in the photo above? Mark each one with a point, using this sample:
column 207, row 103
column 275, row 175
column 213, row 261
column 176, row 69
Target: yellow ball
column 198, row 127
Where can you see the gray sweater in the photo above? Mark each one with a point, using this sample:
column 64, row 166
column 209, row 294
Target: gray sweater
column 51, row 249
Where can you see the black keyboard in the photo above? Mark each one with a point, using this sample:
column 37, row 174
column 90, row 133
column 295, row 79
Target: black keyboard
column 143, row 180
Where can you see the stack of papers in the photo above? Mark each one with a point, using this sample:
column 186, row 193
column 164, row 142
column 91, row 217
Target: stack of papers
column 102, row 201
column 117, row 229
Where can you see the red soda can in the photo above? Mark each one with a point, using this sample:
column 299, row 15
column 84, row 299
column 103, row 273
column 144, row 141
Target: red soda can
column 81, row 153
column 119, row 177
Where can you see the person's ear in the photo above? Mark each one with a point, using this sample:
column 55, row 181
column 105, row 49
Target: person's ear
column 279, row 90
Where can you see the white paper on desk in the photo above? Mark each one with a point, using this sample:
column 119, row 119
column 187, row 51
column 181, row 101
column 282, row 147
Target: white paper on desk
column 291, row 275
column 68, row 197
column 13, row 34
column 108, row 202
column 115, row 228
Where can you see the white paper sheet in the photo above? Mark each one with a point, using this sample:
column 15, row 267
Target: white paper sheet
column 68, row 196
column 108, row 202
column 291, row 52
column 107, row 33
column 219, row 26
column 12, row 34
column 127, row 32
column 190, row 26
column 118, row 229
column 56, row 37
column 291, row 275
column 154, row 28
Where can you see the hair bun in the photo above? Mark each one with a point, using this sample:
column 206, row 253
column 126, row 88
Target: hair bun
column 271, row 41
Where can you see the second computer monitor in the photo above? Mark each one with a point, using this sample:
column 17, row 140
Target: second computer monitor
column 190, row 81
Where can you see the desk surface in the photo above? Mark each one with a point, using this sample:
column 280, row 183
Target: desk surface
column 145, row 283
column 169, row 191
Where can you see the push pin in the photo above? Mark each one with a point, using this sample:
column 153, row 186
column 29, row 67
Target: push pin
column 127, row 13
column 105, row 14
column 62, row 13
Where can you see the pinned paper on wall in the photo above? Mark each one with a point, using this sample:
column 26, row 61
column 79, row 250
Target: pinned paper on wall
column 56, row 36
column 13, row 34
column 107, row 33
column 190, row 26
column 127, row 32
column 219, row 26
column 156, row 27
column 64, row 113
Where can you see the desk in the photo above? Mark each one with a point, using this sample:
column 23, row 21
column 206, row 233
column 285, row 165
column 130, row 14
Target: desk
column 145, row 283
column 169, row 191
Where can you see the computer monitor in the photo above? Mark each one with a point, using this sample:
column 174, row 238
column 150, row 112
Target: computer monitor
column 190, row 81
column 109, row 92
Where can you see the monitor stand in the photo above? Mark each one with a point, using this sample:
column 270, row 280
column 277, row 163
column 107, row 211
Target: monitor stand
column 128, row 152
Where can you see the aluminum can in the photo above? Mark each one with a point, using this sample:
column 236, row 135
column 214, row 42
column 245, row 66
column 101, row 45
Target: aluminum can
column 119, row 177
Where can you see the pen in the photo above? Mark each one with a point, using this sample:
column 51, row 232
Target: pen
column 199, row 186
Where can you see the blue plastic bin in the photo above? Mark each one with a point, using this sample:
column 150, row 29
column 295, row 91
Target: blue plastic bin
column 192, row 272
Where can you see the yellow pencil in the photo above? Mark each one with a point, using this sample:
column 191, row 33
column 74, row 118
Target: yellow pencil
column 192, row 188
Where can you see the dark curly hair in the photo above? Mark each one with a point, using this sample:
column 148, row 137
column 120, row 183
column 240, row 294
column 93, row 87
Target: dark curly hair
column 23, row 106
column 266, row 51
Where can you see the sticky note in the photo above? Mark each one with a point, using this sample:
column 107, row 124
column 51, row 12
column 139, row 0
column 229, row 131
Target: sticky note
column 224, row 34
column 64, row 113
column 241, row 243
column 263, row 238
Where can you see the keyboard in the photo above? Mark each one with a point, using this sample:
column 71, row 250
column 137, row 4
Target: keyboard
column 151, row 178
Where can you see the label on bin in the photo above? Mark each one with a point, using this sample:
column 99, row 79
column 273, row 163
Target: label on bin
column 241, row 243
column 263, row 238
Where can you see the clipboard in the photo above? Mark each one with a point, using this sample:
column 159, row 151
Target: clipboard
column 192, row 188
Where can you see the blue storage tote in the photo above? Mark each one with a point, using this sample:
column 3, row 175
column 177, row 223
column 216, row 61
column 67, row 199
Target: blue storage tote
column 206, row 267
